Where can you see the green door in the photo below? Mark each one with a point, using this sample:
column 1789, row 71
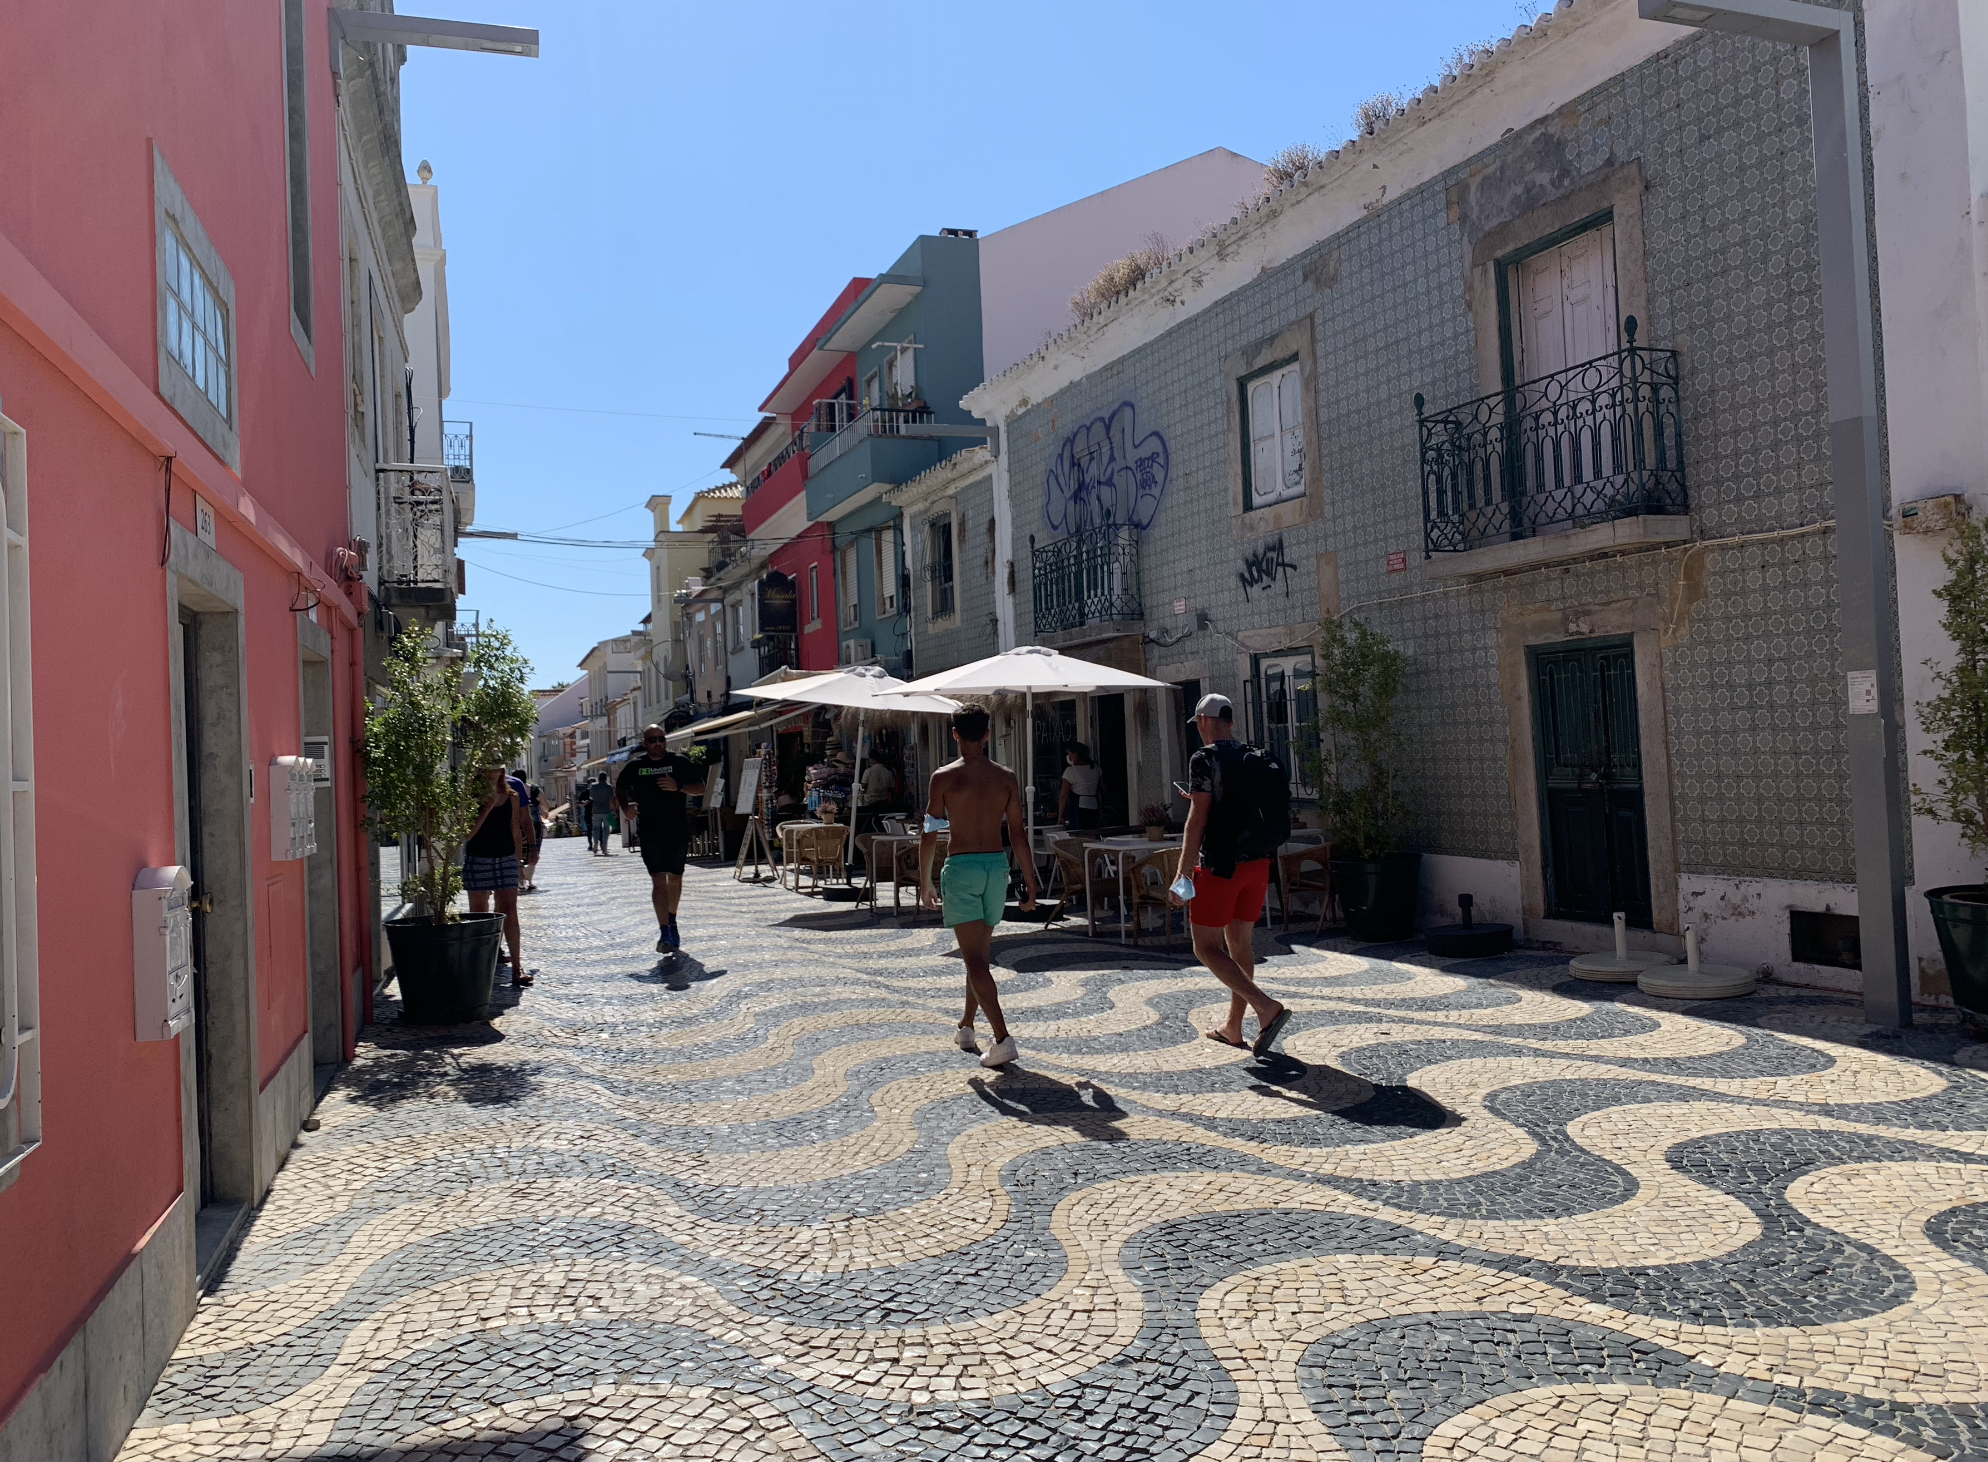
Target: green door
column 1590, row 758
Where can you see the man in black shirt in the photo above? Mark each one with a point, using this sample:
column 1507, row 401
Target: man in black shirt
column 656, row 789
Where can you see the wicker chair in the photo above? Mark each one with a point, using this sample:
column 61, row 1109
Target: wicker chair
column 1309, row 870
column 1076, row 880
column 1148, row 880
column 816, row 848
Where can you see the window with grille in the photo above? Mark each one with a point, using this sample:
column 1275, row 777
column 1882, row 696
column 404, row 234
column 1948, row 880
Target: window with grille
column 1273, row 409
column 20, row 1004
column 939, row 538
column 814, row 594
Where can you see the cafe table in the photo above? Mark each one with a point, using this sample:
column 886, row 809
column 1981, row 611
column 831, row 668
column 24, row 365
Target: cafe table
column 1117, row 849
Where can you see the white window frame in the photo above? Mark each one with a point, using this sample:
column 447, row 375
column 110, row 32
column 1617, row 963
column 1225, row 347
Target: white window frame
column 1276, row 439
column 886, row 552
column 175, row 224
column 20, row 988
column 901, row 370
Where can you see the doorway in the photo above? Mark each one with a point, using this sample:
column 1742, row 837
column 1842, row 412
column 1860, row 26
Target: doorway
column 1055, row 728
column 1108, row 731
column 1588, row 748
column 202, row 901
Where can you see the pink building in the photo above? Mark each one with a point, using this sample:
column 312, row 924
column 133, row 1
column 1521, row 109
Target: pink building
column 174, row 378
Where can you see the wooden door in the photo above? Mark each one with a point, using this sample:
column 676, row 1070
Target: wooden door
column 1589, row 754
column 1566, row 304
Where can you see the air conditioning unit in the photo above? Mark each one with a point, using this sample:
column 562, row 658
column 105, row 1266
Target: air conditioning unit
column 855, row 652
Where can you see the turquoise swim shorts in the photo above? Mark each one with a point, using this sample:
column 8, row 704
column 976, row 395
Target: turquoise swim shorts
column 974, row 886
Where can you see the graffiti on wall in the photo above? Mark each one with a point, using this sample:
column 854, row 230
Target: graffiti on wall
column 1105, row 472
column 1263, row 567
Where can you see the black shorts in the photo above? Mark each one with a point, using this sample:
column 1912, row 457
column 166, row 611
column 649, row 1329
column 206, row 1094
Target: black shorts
column 664, row 849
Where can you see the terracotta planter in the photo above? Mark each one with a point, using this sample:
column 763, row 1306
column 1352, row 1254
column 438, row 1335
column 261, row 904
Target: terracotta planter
column 1380, row 894
column 1960, row 916
column 1155, row 834
column 445, row 971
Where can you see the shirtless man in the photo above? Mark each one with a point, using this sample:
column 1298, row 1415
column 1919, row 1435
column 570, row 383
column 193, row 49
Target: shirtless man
column 972, row 797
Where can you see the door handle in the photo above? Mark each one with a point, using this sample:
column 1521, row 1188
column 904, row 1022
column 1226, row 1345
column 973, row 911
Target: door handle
column 203, row 905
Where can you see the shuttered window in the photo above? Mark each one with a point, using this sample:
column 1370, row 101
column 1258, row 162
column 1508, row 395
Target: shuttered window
column 1273, row 404
column 20, row 1003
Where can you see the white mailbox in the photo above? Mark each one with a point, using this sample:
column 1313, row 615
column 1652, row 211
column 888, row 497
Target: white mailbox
column 292, row 807
column 162, row 951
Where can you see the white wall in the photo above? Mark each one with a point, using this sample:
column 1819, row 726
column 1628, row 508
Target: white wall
column 1928, row 64
column 1029, row 270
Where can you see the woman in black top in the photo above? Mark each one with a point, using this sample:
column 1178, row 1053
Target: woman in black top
column 490, row 861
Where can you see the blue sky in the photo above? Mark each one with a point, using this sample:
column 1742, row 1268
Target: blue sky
column 641, row 222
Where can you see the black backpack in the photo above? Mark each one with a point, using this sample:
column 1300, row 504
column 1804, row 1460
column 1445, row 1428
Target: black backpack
column 1259, row 817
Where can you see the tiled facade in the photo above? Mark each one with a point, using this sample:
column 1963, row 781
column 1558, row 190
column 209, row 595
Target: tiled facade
column 1719, row 126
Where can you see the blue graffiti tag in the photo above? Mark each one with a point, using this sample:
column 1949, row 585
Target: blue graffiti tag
column 1106, row 473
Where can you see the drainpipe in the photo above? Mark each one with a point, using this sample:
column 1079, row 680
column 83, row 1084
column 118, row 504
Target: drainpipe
column 1004, row 544
column 1863, row 557
column 361, row 843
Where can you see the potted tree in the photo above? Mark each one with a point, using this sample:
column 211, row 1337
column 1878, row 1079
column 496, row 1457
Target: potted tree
column 1355, row 763
column 1956, row 719
column 441, row 721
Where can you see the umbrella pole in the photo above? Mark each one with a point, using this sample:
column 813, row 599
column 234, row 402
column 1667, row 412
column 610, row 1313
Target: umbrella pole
column 1028, row 740
column 855, row 794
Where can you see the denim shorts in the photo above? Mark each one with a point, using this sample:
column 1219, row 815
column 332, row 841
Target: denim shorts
column 489, row 875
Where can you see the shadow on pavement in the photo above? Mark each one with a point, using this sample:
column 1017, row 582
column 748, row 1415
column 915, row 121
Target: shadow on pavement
column 677, row 974
column 1028, row 1096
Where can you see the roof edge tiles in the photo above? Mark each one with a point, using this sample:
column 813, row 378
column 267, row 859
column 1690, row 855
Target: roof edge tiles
column 1103, row 336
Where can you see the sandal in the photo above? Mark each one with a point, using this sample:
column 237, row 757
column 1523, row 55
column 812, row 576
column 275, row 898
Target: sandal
column 525, row 977
column 1217, row 1036
column 1270, row 1032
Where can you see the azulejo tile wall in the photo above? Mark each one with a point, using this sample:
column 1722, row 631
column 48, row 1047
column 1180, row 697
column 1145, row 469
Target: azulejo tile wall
column 1719, row 126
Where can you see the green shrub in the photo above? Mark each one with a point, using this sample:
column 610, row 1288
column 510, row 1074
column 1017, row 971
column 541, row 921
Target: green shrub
column 1957, row 718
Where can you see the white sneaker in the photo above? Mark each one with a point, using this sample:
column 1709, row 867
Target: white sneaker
column 963, row 1037
column 1000, row 1053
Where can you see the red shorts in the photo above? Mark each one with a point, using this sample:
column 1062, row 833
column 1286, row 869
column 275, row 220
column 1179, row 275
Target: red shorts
column 1221, row 901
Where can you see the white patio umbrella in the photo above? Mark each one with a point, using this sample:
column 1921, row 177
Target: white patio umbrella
column 862, row 688
column 1030, row 668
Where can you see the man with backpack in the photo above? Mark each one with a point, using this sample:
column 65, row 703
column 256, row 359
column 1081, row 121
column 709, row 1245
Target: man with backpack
column 1239, row 814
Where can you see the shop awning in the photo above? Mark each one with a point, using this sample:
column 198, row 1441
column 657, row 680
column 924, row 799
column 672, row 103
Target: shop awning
column 736, row 723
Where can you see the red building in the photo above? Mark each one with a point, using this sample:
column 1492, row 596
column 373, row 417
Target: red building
column 183, row 663
column 818, row 393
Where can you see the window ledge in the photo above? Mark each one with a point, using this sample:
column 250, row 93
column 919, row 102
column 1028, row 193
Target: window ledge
column 1091, row 634
column 1558, row 547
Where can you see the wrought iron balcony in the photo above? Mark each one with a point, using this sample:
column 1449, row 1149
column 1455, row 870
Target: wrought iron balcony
column 459, row 450
column 1089, row 578
column 1583, row 446
column 417, row 555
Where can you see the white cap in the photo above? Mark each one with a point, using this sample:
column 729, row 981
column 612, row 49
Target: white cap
column 1218, row 706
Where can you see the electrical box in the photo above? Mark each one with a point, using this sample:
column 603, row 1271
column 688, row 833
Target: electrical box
column 162, row 951
column 292, row 808
column 1932, row 514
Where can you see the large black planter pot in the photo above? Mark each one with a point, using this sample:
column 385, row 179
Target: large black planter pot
column 1380, row 895
column 445, row 970
column 1960, row 914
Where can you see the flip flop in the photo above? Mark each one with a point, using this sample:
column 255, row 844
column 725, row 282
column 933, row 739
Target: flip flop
column 1221, row 1039
column 1266, row 1036
column 525, row 977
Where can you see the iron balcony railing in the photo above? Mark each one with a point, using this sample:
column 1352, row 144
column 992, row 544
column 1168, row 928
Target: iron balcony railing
column 459, row 450
column 939, row 576
column 878, row 421
column 416, row 538
column 1091, row 577
column 1586, row 445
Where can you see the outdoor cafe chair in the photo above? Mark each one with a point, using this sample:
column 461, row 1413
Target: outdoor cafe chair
column 1308, row 870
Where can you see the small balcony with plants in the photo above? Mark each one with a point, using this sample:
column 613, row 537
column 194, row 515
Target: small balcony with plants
column 1577, row 462
column 1085, row 587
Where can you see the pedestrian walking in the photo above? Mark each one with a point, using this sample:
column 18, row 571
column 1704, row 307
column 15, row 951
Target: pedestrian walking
column 1077, row 797
column 490, row 865
column 1239, row 814
column 655, row 788
column 535, row 807
column 972, row 798
column 600, row 802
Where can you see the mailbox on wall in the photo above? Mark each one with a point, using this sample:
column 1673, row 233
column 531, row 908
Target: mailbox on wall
column 292, row 808
column 162, row 951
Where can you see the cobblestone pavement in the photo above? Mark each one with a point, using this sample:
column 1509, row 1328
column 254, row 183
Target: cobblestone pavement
column 760, row 1207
